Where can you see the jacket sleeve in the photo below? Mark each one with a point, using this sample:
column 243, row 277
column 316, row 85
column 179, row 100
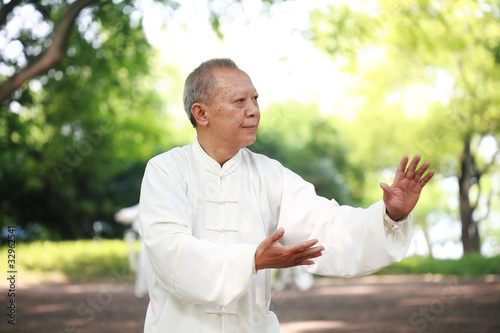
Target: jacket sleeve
column 194, row 271
column 357, row 241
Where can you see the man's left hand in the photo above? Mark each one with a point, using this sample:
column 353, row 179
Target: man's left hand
column 403, row 195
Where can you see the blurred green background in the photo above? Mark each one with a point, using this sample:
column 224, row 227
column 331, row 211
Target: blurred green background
column 90, row 90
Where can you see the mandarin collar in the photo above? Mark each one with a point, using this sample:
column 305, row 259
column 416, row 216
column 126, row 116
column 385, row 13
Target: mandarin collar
column 212, row 165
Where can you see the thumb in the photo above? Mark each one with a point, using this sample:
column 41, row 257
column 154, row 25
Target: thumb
column 274, row 238
column 277, row 235
column 387, row 191
column 386, row 188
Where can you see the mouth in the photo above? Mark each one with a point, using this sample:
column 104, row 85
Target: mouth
column 251, row 127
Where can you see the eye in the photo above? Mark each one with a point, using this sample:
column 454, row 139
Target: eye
column 241, row 100
column 256, row 97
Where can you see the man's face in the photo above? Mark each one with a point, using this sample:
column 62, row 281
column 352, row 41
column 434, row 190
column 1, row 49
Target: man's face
column 233, row 113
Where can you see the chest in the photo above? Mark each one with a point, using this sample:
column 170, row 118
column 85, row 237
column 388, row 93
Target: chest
column 229, row 207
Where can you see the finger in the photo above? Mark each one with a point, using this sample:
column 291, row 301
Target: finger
column 385, row 187
column 410, row 172
column 427, row 177
column 313, row 252
column 306, row 259
column 275, row 237
column 387, row 190
column 421, row 171
column 302, row 246
column 400, row 172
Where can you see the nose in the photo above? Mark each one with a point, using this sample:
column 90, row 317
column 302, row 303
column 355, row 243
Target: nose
column 253, row 109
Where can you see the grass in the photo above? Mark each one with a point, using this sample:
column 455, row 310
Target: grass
column 70, row 261
column 90, row 261
column 467, row 266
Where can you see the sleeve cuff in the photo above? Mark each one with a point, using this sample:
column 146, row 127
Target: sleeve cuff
column 390, row 223
column 254, row 270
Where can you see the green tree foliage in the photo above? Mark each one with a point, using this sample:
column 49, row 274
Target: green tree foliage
column 410, row 46
column 80, row 111
column 308, row 143
column 74, row 141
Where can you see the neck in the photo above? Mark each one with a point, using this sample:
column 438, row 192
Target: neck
column 216, row 151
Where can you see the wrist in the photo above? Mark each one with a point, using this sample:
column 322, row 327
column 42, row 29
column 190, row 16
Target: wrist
column 257, row 262
column 394, row 217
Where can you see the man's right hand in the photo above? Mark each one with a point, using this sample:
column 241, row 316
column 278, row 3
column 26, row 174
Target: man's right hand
column 271, row 254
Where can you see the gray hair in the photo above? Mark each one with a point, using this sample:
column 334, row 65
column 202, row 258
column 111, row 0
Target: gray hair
column 200, row 85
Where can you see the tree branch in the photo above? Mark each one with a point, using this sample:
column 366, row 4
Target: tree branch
column 51, row 56
column 5, row 11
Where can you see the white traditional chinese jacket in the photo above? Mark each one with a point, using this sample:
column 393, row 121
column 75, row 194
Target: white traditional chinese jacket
column 202, row 223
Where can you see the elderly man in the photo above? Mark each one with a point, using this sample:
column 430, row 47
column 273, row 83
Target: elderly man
column 215, row 217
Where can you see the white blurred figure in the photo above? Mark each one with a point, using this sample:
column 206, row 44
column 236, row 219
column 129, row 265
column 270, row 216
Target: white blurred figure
column 138, row 263
column 297, row 275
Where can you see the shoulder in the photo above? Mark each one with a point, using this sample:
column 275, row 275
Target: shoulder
column 171, row 160
column 168, row 156
column 266, row 171
column 272, row 170
column 261, row 161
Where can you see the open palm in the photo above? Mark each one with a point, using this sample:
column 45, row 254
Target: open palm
column 403, row 195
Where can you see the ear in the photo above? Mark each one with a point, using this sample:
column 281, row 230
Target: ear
column 199, row 113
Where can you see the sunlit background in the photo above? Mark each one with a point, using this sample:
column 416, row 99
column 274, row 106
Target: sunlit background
column 275, row 48
column 352, row 85
column 91, row 90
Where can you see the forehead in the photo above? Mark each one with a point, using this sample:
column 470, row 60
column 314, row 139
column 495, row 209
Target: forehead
column 233, row 81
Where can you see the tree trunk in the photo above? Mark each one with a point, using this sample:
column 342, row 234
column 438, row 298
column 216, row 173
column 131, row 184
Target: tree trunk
column 428, row 242
column 468, row 177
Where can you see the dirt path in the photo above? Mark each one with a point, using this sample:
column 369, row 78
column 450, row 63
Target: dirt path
column 369, row 304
